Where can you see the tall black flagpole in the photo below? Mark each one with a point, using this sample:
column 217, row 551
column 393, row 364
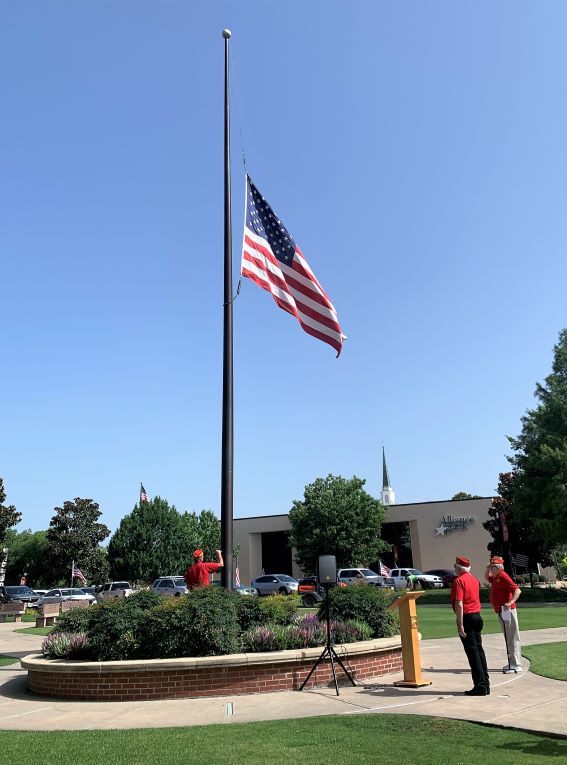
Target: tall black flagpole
column 227, row 392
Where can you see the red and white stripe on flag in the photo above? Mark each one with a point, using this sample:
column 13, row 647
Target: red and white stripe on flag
column 290, row 280
column 79, row 574
column 384, row 570
column 236, row 575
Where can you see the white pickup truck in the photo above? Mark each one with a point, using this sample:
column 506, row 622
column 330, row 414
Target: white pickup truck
column 427, row 581
column 113, row 590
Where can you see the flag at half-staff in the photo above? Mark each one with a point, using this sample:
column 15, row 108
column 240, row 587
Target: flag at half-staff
column 271, row 258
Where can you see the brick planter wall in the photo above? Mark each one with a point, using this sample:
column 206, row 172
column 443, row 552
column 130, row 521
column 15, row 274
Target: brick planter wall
column 207, row 676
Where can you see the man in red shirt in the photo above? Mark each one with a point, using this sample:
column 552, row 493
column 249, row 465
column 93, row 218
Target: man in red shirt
column 465, row 601
column 504, row 593
column 197, row 575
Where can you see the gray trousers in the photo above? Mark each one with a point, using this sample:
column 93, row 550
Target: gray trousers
column 511, row 632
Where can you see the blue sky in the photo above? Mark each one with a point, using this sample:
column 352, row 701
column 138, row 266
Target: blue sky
column 415, row 151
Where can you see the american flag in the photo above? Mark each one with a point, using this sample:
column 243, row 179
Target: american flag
column 521, row 560
column 272, row 259
column 236, row 574
column 384, row 570
column 77, row 573
column 143, row 495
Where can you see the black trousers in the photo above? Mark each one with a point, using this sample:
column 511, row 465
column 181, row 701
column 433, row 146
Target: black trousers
column 472, row 643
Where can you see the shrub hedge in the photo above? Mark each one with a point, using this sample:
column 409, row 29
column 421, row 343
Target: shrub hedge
column 363, row 603
column 213, row 621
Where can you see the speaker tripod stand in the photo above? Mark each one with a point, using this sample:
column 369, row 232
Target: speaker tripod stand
column 329, row 652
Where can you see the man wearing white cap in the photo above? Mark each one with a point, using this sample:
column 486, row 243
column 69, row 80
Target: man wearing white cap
column 465, row 600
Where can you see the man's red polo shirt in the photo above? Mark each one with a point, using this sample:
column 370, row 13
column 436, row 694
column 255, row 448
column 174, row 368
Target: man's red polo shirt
column 502, row 590
column 466, row 588
column 197, row 575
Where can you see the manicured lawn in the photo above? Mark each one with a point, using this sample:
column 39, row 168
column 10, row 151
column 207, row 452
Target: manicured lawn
column 537, row 595
column 35, row 630
column 6, row 660
column 360, row 739
column 439, row 621
column 27, row 617
column 548, row 659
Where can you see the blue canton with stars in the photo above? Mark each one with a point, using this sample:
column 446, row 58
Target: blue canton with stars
column 261, row 219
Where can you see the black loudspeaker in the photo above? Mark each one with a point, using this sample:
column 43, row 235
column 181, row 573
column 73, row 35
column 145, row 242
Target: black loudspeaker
column 327, row 569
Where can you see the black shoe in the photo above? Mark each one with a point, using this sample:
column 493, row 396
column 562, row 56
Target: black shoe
column 477, row 692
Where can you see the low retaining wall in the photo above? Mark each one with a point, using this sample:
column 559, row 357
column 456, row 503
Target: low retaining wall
column 206, row 676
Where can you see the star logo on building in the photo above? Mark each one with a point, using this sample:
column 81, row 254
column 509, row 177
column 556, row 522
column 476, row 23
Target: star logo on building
column 441, row 530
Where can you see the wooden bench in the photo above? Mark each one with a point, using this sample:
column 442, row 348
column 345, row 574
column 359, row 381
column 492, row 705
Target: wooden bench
column 47, row 614
column 15, row 609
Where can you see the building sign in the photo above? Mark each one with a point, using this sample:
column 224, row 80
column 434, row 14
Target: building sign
column 450, row 523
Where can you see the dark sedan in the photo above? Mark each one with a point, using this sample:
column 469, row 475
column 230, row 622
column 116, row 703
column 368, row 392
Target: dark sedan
column 19, row 593
column 447, row 575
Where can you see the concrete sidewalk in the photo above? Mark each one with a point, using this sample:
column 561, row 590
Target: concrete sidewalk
column 524, row 701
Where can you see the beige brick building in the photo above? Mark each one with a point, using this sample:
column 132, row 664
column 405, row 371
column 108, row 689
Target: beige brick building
column 424, row 535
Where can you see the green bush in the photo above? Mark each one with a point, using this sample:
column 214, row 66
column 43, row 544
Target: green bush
column 520, row 579
column 279, row 609
column 367, row 604
column 112, row 631
column 144, row 599
column 248, row 612
column 75, row 620
column 203, row 623
column 541, row 578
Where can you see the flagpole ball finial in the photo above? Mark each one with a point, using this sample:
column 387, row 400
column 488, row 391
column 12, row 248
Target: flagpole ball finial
column 226, row 33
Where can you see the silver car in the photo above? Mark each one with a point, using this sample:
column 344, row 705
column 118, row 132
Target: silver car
column 60, row 595
column 281, row 584
column 170, row 585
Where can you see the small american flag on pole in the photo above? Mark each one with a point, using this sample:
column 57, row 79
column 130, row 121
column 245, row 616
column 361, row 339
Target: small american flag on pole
column 272, row 259
column 76, row 573
column 384, row 570
column 143, row 495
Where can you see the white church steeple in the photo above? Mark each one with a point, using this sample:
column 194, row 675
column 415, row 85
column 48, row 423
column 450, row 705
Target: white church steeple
column 387, row 496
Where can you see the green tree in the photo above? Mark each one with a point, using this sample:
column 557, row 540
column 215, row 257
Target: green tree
column 9, row 516
column 464, row 495
column 210, row 534
column 512, row 533
column 540, row 455
column 153, row 540
column 337, row 517
column 75, row 534
column 26, row 554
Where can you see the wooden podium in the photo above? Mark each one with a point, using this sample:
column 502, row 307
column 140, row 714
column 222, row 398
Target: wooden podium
column 410, row 640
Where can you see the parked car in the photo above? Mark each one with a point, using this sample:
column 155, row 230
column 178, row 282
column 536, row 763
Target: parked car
column 170, row 585
column 40, row 592
column 238, row 589
column 88, row 590
column 113, row 590
column 427, row 581
column 353, row 575
column 18, row 593
column 447, row 575
column 268, row 584
column 62, row 594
